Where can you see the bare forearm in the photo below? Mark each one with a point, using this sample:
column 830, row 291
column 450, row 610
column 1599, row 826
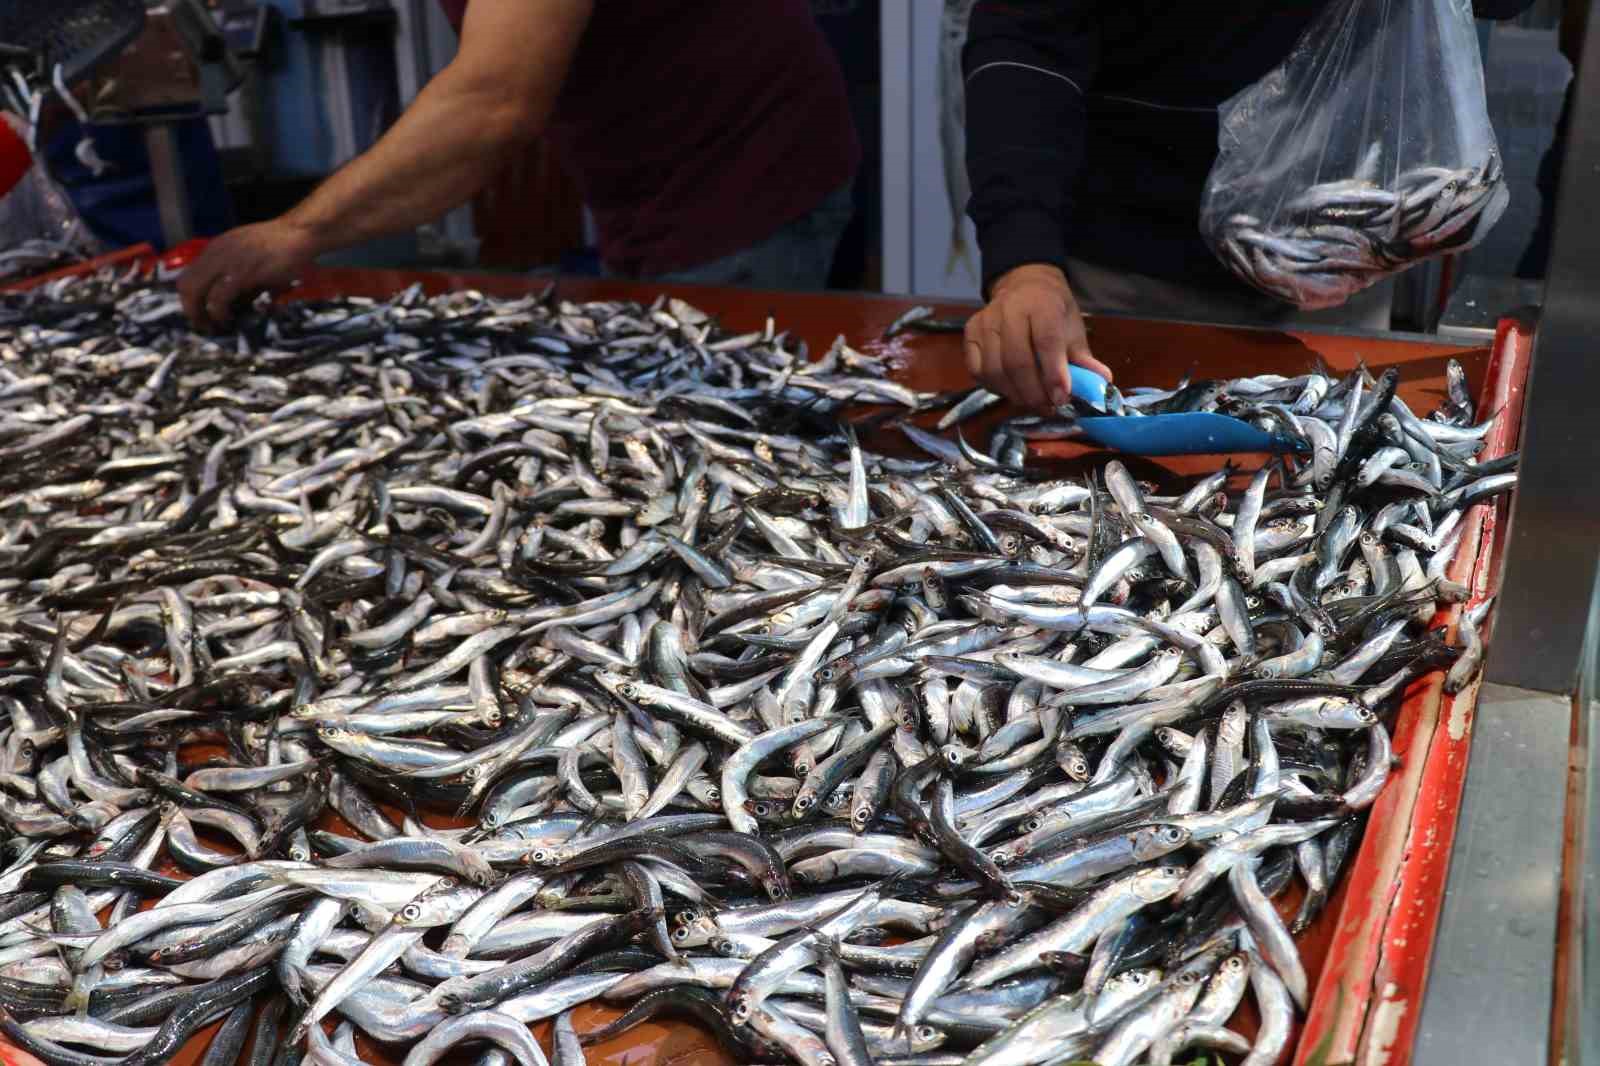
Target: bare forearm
column 497, row 92
column 441, row 151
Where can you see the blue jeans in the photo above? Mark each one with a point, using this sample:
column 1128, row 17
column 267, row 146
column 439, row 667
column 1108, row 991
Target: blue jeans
column 796, row 258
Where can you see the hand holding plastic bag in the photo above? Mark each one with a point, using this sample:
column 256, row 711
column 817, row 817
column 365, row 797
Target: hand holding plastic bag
column 1367, row 150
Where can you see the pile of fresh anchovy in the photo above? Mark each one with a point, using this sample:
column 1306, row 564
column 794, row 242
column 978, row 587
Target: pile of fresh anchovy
column 1338, row 237
column 848, row 758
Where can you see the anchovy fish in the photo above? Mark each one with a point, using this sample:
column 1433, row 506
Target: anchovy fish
column 472, row 659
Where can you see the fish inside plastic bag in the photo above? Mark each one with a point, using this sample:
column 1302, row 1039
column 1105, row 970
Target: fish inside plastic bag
column 1367, row 150
column 39, row 227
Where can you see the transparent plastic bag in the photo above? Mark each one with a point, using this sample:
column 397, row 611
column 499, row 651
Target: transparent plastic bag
column 1367, row 150
column 39, row 227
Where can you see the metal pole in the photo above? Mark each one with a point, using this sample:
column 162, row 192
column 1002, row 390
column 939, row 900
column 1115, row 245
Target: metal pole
column 172, row 192
column 1554, row 540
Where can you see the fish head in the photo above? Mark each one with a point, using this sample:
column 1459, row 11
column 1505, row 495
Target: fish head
column 955, row 756
column 1171, row 739
column 1073, row 762
column 439, row 904
column 451, row 995
column 1231, row 728
column 1131, row 982
column 1158, row 883
column 1154, row 841
column 833, row 671
column 695, row 932
column 1348, row 712
column 740, row 1008
column 925, row 1038
column 726, row 947
column 1234, row 967
column 616, row 684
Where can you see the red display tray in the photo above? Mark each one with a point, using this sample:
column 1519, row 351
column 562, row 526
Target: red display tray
column 1368, row 955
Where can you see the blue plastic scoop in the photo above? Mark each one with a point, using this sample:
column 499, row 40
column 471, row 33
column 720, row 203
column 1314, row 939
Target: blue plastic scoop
column 1189, row 433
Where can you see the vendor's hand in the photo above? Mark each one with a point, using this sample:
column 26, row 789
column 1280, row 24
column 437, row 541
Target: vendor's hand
column 240, row 263
column 1020, row 344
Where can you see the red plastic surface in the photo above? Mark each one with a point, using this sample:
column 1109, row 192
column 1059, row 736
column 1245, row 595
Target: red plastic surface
column 14, row 157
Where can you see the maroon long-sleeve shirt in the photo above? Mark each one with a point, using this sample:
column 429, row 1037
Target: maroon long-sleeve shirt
column 696, row 128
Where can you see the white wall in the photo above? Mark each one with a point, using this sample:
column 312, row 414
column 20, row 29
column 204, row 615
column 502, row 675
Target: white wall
column 916, row 209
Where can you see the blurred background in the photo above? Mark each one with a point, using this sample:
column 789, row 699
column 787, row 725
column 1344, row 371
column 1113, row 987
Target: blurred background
column 310, row 83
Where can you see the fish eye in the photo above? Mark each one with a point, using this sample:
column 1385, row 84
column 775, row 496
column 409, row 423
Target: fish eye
column 803, row 803
column 681, row 933
column 1173, row 833
column 628, row 690
column 927, row 1032
column 411, row 912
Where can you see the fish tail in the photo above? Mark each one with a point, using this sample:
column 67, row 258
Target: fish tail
column 959, row 253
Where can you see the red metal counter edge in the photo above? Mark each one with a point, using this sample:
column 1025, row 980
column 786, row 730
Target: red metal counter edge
column 143, row 254
column 121, row 257
column 1368, row 997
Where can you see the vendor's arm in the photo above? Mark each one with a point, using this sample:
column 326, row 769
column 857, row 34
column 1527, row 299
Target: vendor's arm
column 496, row 93
column 1027, row 63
